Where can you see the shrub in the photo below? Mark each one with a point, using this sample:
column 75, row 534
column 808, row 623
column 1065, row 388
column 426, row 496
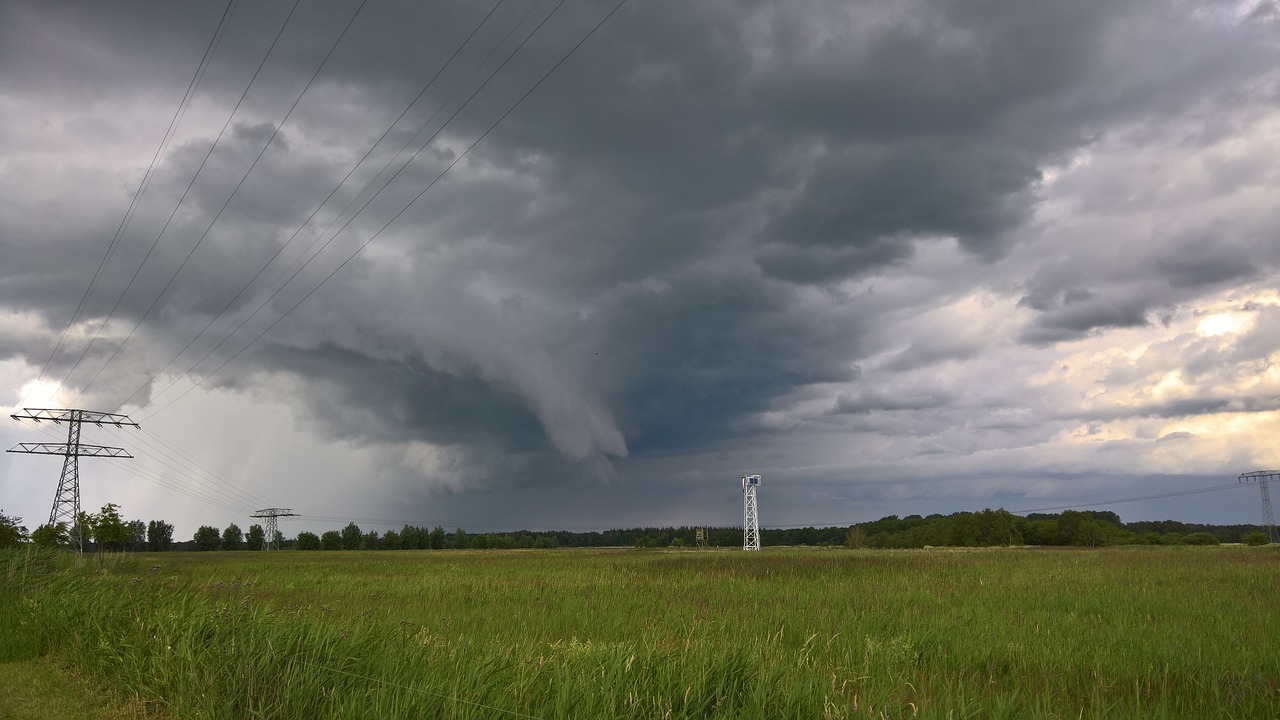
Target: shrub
column 307, row 541
column 1255, row 538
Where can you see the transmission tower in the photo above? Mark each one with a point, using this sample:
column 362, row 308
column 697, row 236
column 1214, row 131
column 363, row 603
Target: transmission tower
column 66, row 502
column 270, row 515
column 1262, row 477
column 750, row 518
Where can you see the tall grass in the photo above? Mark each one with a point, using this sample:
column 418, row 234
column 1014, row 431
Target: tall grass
column 1150, row 632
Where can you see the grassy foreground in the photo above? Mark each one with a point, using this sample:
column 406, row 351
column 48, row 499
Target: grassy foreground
column 1177, row 632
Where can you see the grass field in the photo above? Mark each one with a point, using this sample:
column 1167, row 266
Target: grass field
column 1176, row 632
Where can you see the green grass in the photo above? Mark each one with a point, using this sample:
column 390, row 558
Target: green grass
column 1178, row 632
column 47, row 688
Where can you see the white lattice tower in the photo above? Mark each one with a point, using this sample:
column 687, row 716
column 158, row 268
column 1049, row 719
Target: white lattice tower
column 750, row 514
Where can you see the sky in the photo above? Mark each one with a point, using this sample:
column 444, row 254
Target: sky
column 573, row 265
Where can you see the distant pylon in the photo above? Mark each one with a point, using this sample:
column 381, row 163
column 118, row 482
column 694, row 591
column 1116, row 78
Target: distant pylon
column 1268, row 517
column 750, row 517
column 66, row 502
column 270, row 515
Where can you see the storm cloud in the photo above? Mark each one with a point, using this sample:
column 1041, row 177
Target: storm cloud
column 897, row 257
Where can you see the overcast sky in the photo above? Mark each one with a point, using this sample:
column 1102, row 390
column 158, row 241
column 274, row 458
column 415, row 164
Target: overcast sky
column 896, row 257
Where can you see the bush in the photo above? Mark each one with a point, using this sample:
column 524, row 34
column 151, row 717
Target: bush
column 1256, row 538
column 1200, row 538
column 307, row 541
column 207, row 538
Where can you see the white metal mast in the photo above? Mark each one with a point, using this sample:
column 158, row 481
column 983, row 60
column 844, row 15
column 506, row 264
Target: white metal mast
column 750, row 517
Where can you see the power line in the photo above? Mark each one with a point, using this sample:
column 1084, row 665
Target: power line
column 1157, row 496
column 225, row 204
column 184, row 196
column 141, row 471
column 178, row 114
column 324, row 202
column 395, row 217
column 230, row 491
column 227, row 335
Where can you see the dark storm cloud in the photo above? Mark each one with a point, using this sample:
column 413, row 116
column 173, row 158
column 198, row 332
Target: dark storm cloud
column 705, row 219
column 412, row 400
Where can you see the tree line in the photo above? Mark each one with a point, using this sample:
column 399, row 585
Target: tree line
column 103, row 530
column 1069, row 528
column 107, row 530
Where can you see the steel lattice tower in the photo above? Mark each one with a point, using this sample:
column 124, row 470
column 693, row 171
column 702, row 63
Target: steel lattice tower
column 270, row 515
column 1268, row 518
column 66, row 502
column 750, row 517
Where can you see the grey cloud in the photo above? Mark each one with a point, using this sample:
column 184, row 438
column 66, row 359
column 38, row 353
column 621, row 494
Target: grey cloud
column 1205, row 261
column 871, row 400
column 1074, row 321
column 710, row 211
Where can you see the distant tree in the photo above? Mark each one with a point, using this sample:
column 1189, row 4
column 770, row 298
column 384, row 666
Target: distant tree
column 370, row 541
column 232, row 538
column 437, row 538
column 52, row 536
column 1040, row 532
column 1171, row 538
column 255, row 538
column 391, row 541
column 12, row 532
column 307, row 541
column 1253, row 538
column 1091, row 533
column 331, row 540
column 207, row 538
column 855, row 538
column 159, row 535
column 351, row 537
column 1200, row 538
column 137, row 541
column 480, row 542
column 1150, row 538
column 109, row 530
column 460, row 539
column 995, row 527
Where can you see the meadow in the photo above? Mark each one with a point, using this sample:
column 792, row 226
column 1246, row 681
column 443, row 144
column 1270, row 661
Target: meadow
column 1162, row 632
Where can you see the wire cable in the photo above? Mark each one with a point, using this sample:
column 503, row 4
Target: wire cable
column 150, row 475
column 201, row 477
column 230, row 303
column 1180, row 493
column 203, row 162
column 298, row 269
column 395, row 217
column 225, row 204
column 138, row 194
